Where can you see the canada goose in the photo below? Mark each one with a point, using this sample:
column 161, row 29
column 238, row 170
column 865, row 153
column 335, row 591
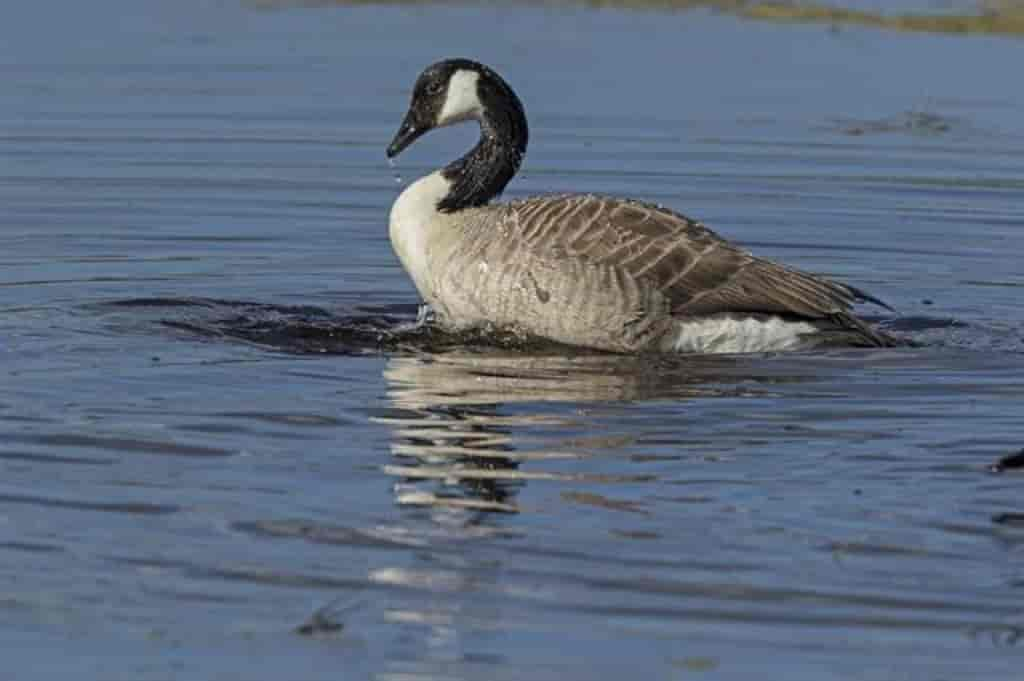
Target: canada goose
column 606, row 273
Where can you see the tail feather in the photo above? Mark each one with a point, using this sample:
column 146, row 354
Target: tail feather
column 863, row 297
column 851, row 330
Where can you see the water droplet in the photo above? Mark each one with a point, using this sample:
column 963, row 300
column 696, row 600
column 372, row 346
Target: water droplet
column 394, row 171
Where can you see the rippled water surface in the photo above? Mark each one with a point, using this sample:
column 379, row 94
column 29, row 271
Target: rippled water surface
column 227, row 453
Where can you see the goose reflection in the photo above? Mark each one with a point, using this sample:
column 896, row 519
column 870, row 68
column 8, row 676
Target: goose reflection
column 471, row 429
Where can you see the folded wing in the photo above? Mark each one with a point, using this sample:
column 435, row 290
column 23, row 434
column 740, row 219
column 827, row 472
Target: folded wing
column 697, row 270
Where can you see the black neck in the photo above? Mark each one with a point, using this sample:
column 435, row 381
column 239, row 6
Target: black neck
column 482, row 174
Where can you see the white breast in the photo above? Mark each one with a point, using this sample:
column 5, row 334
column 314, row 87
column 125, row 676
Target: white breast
column 413, row 221
column 728, row 335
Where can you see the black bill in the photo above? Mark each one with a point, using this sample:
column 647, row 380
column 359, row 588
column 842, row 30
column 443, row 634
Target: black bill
column 408, row 133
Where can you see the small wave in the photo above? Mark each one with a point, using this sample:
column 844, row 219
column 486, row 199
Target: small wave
column 907, row 122
column 304, row 329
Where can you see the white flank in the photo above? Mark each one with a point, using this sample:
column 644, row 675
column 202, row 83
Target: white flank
column 409, row 228
column 461, row 102
column 726, row 335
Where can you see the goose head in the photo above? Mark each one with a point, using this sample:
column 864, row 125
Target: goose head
column 455, row 90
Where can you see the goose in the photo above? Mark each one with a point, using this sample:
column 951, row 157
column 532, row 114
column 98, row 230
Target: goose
column 598, row 272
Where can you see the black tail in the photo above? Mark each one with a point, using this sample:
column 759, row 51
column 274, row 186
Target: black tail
column 863, row 297
column 857, row 332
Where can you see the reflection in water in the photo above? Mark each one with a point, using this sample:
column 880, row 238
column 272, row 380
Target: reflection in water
column 470, row 429
column 456, row 415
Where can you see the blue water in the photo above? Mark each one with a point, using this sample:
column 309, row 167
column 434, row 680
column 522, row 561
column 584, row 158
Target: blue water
column 200, row 453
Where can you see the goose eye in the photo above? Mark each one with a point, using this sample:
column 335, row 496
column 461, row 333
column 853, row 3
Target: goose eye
column 434, row 89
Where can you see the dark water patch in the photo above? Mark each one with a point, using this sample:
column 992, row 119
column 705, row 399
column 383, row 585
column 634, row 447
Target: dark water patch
column 684, row 562
column 802, row 619
column 56, row 459
column 103, row 279
column 268, row 577
column 998, row 635
column 225, row 305
column 320, row 623
column 283, row 435
column 240, row 573
column 302, row 329
column 889, row 550
column 969, row 529
column 909, row 122
column 154, row 563
column 1009, row 519
column 212, row 428
column 154, row 302
column 710, row 482
column 28, row 418
column 340, row 336
column 1008, row 284
column 320, row 534
column 193, row 596
column 30, row 547
column 296, row 329
column 602, row 501
column 729, row 593
column 131, row 508
column 917, row 323
column 330, row 618
column 119, row 444
column 315, row 420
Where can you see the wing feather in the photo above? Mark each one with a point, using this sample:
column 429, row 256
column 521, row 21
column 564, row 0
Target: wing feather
column 698, row 271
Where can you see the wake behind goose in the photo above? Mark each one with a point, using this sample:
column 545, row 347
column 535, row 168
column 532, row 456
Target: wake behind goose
column 599, row 272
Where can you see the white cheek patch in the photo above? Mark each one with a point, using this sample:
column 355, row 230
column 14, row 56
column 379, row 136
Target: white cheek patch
column 461, row 102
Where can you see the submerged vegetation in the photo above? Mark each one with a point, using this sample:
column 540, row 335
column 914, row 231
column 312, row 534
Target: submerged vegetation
column 991, row 17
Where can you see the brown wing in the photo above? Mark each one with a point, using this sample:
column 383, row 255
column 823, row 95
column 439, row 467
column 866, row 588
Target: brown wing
column 697, row 270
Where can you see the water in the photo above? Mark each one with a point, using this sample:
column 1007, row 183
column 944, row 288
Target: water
column 204, row 446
